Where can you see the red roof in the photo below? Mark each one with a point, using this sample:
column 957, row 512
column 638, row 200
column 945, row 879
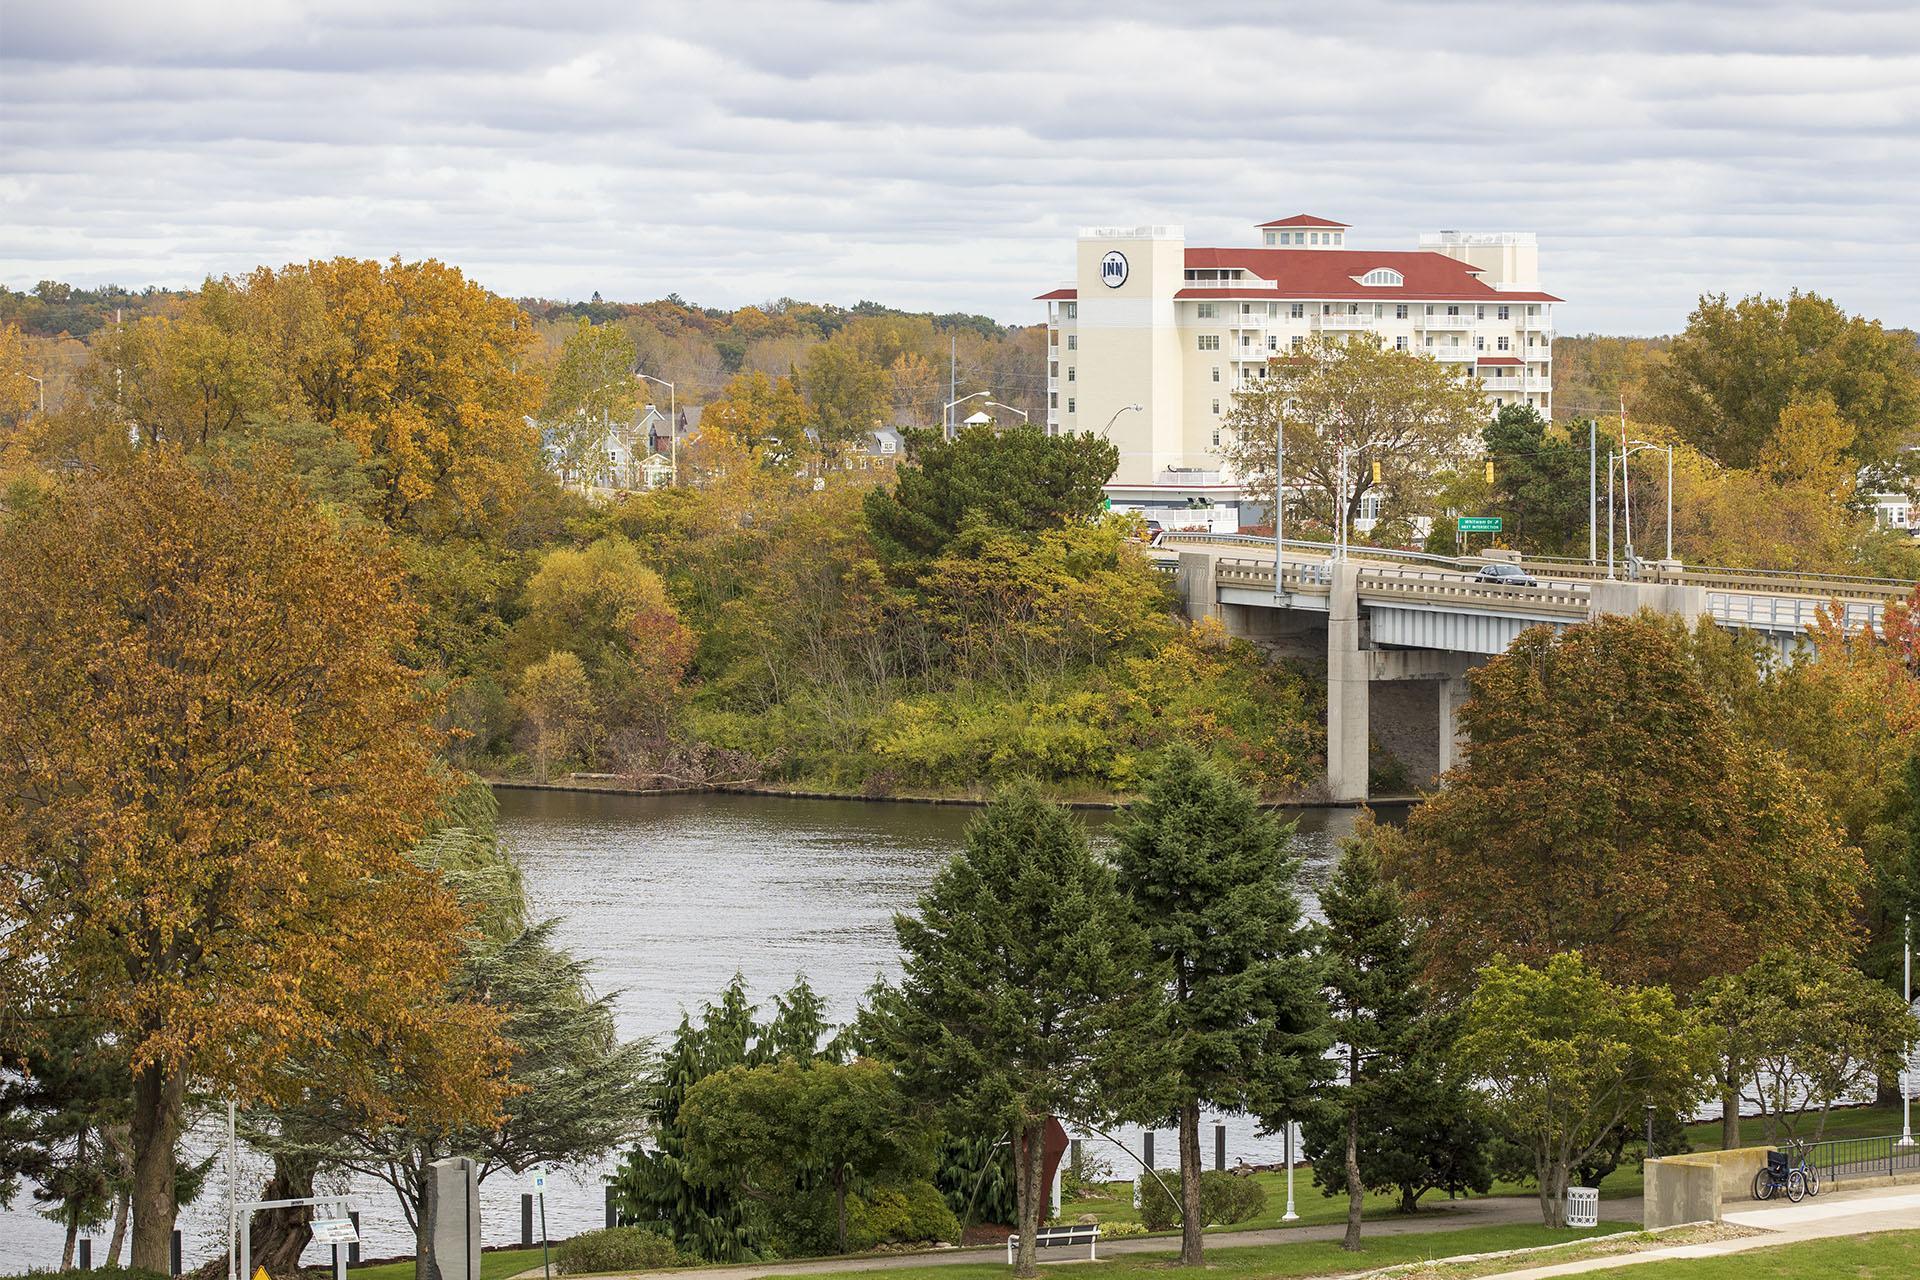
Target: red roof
column 1499, row 360
column 1059, row 295
column 1304, row 220
column 1335, row 273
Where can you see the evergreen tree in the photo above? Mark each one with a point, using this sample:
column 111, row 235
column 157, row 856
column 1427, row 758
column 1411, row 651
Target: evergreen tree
column 709, row 1221
column 1213, row 887
column 1403, row 1118
column 1026, row 985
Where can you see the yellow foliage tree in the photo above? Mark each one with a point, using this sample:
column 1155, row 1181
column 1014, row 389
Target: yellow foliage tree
column 216, row 767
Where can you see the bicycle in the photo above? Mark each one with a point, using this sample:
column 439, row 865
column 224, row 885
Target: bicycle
column 1793, row 1174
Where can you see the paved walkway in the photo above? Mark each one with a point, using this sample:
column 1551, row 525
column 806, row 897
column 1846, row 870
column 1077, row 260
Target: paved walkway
column 1445, row 1215
column 1838, row 1213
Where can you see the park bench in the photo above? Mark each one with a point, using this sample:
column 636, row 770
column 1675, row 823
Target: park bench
column 1052, row 1237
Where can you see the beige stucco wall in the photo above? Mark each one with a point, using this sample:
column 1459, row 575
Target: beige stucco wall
column 1130, row 348
column 1693, row 1187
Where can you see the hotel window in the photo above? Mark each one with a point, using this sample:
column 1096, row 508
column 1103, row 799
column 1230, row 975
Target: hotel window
column 1399, row 311
column 1339, row 237
column 1053, row 369
column 1503, row 343
column 1429, row 340
column 1246, row 341
column 1070, row 408
column 1069, row 310
column 1209, row 342
column 1216, row 373
column 1053, row 400
column 1246, row 308
column 1053, row 337
column 1316, row 238
column 1479, row 313
column 1216, row 437
column 1069, row 373
column 1453, row 311
column 1383, row 276
column 1353, row 308
column 1400, row 343
column 1272, row 237
column 1502, row 312
column 1297, row 310
column 1073, row 342
column 1479, row 344
column 1273, row 309
column 1299, row 343
column 1326, row 308
column 1273, row 342
column 1216, row 406
column 1206, row 310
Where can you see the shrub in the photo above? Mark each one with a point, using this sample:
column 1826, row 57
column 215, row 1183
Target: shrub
column 901, row 1214
column 615, row 1249
column 1225, row 1198
column 1112, row 1230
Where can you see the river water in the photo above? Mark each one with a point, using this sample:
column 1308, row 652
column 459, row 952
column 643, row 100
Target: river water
column 669, row 897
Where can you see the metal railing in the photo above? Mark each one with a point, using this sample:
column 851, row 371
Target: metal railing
column 1862, row 1158
column 1790, row 613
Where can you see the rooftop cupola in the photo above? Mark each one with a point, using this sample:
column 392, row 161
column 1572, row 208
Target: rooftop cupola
column 1303, row 231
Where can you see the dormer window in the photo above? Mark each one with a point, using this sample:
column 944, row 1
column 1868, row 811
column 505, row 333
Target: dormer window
column 1383, row 276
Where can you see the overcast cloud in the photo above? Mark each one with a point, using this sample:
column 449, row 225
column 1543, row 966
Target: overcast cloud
column 940, row 156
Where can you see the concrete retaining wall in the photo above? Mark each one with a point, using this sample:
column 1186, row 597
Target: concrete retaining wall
column 1693, row 1187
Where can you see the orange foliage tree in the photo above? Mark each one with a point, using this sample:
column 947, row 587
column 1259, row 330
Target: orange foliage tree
column 1609, row 804
column 216, row 765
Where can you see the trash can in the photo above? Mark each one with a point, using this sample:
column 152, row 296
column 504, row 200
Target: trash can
column 1583, row 1206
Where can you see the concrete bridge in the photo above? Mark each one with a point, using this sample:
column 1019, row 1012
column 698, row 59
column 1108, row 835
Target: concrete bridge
column 1402, row 629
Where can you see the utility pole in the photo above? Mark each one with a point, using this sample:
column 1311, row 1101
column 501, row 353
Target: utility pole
column 1593, row 495
column 1279, row 506
column 1609, row 513
column 953, row 380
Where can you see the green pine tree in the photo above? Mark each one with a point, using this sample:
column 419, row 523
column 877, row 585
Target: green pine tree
column 1213, row 885
column 1024, row 989
column 1403, row 1118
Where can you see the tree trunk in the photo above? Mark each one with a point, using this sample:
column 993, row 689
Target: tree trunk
column 1356, row 1192
column 1192, row 1221
column 1032, row 1163
column 840, row 1206
column 159, row 1092
column 420, row 1269
column 280, row 1236
column 119, row 1238
column 1729, row 1116
column 73, row 1235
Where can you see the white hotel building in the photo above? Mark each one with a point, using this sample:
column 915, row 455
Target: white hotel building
column 1177, row 330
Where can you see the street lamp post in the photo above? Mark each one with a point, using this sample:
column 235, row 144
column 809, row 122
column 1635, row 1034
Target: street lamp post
column 946, row 410
column 1024, row 419
column 1289, row 1215
column 673, row 424
column 1125, row 408
column 1906, row 1068
column 41, row 383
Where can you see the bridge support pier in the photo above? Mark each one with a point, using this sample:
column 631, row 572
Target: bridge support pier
column 1453, row 692
column 1349, row 671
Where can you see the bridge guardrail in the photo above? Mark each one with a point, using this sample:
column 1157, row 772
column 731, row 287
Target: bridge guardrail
column 1416, row 585
column 1789, row 613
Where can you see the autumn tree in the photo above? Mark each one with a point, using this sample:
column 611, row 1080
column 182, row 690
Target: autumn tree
column 203, row 836
column 764, row 416
column 848, row 392
column 1740, row 365
column 1610, row 804
column 1347, row 406
column 1216, row 891
column 590, row 389
column 603, row 605
column 1027, row 992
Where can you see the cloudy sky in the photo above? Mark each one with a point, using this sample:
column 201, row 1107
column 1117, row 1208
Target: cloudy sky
column 940, row 155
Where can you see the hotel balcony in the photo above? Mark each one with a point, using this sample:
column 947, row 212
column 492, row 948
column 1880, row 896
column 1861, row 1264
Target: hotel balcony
column 1444, row 322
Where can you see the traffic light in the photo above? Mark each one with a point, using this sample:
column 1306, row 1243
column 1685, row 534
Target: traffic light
column 1489, row 470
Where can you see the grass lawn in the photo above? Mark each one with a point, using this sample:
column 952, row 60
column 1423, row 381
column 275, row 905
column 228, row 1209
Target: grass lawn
column 1893, row 1255
column 1279, row 1261
column 1625, row 1182
column 495, row 1264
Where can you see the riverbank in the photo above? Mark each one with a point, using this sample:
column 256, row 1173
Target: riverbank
column 606, row 784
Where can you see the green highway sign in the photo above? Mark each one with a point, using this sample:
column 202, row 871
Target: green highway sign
column 1478, row 524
